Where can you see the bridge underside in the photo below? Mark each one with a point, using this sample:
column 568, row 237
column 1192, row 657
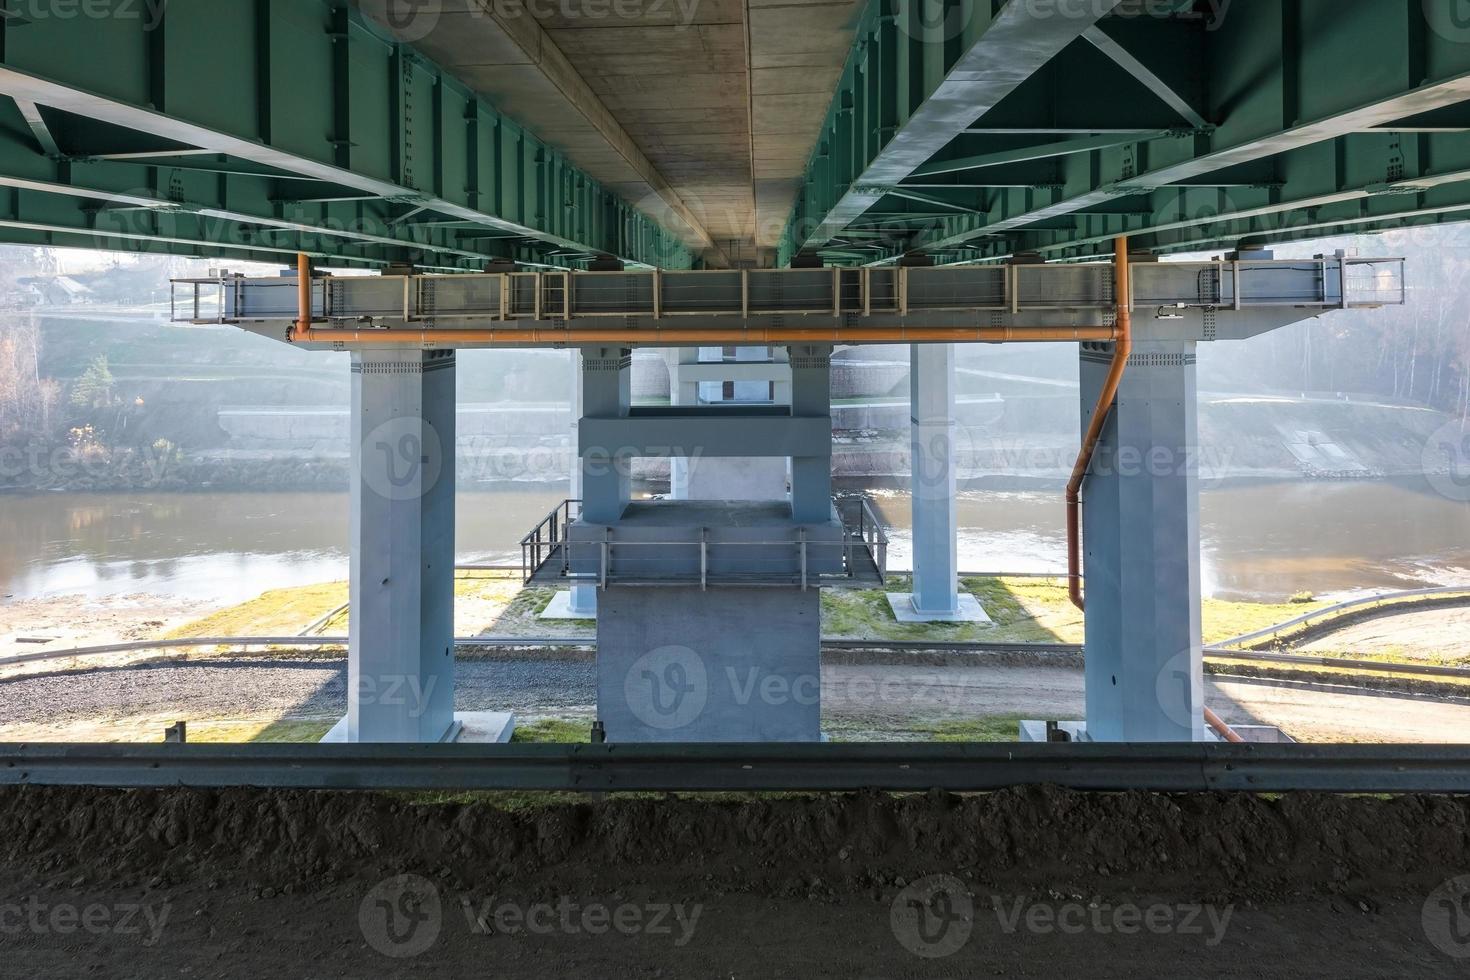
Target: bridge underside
column 966, row 129
column 1187, row 125
column 972, row 131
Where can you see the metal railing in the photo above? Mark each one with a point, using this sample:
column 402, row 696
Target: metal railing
column 545, row 540
column 867, row 529
column 866, row 294
column 862, row 549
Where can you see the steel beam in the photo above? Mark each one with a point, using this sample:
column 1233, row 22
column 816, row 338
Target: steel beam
column 1127, row 61
column 1270, row 133
column 1306, row 121
column 304, row 91
column 904, row 69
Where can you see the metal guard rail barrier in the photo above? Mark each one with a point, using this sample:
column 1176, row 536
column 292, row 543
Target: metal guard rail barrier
column 1333, row 611
column 915, row 767
column 921, row 646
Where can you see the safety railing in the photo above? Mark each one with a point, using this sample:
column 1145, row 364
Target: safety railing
column 868, row 530
column 545, row 541
column 858, row 555
column 686, row 296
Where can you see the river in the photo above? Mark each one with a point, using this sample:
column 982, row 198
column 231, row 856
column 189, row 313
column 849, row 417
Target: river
column 1258, row 542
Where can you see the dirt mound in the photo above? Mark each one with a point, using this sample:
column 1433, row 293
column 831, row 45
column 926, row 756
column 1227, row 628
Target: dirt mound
column 1207, row 844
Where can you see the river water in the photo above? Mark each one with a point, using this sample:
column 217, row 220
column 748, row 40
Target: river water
column 1263, row 542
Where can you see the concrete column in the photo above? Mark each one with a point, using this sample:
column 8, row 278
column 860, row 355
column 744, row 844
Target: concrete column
column 582, row 600
column 606, row 394
column 1144, row 673
column 936, row 596
column 811, row 397
column 935, row 518
column 400, row 669
column 681, row 392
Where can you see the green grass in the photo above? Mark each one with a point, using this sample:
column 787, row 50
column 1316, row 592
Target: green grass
column 293, row 730
column 279, row 612
column 557, row 730
column 994, row 728
column 1022, row 610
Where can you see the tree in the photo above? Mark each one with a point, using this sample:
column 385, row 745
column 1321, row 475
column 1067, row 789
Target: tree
column 26, row 399
column 94, row 388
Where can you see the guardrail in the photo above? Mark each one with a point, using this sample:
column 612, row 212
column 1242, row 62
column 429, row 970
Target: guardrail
column 911, row 646
column 1334, row 611
column 844, row 767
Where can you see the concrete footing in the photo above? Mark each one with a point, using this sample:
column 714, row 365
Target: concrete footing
column 468, row 726
column 967, row 610
column 562, row 606
column 1035, row 731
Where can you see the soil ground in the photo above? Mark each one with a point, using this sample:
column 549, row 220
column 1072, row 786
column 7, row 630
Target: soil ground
column 1023, row 883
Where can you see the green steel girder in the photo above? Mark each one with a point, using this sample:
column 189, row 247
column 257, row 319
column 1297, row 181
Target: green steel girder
column 1318, row 115
column 262, row 127
column 919, row 74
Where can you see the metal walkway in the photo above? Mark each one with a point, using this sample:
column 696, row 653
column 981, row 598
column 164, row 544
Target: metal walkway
column 763, row 306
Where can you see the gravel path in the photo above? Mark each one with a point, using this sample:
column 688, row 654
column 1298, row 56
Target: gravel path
column 863, row 701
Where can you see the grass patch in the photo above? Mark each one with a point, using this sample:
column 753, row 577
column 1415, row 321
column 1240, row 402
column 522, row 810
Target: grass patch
column 279, row 612
column 556, row 730
column 149, row 728
column 996, row 728
column 1221, row 620
column 1022, row 610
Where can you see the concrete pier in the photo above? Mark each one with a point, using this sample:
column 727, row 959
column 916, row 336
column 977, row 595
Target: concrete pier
column 579, row 601
column 936, row 596
column 400, row 671
column 606, row 462
column 709, row 612
column 1144, row 667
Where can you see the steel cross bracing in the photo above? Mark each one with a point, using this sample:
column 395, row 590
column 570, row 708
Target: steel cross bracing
column 1067, row 302
column 256, row 129
column 1188, row 126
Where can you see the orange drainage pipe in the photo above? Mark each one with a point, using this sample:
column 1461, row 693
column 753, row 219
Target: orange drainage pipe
column 546, row 336
column 1123, row 347
column 1221, row 728
column 302, row 326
